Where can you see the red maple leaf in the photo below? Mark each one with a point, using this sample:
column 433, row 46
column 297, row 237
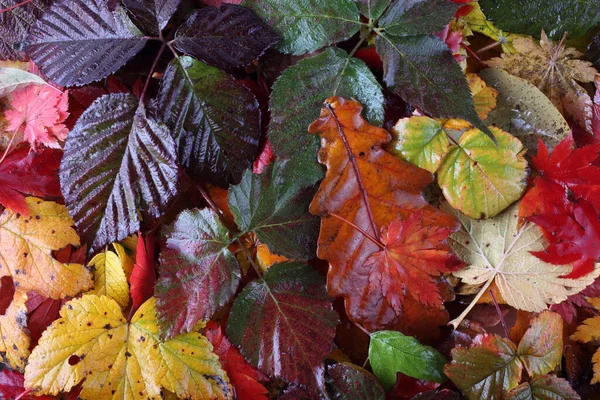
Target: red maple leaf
column 28, row 173
column 574, row 238
column 411, row 257
column 242, row 375
column 143, row 276
column 39, row 110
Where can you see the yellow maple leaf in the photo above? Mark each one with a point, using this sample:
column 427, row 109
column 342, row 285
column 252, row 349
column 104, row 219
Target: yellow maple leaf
column 26, row 245
column 122, row 360
column 109, row 276
column 589, row 331
column 555, row 70
column 14, row 341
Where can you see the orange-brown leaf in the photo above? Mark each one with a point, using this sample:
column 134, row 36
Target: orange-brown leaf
column 366, row 188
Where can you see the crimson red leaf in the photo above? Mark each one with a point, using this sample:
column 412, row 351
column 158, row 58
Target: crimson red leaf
column 284, row 324
column 244, row 378
column 24, row 172
column 12, row 385
column 41, row 317
column 227, row 37
column 143, row 275
column 7, row 292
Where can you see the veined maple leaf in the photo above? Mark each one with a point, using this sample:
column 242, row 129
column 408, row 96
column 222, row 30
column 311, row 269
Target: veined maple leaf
column 555, row 70
column 40, row 111
column 365, row 189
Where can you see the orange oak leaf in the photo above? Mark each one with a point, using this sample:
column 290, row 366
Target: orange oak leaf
column 364, row 190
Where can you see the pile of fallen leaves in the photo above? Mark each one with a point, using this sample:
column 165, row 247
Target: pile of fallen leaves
column 297, row 199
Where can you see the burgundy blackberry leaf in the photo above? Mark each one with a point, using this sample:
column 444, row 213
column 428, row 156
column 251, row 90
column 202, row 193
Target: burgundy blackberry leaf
column 151, row 15
column 215, row 120
column 347, row 381
column 227, row 37
column 15, row 22
column 198, row 274
column 284, row 324
column 81, row 41
column 119, row 171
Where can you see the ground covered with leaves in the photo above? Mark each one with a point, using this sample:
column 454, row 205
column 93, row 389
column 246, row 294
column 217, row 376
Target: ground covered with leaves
column 298, row 199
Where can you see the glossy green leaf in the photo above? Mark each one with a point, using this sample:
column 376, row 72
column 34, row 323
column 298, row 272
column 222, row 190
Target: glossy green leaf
column 107, row 200
column 524, row 111
column 423, row 71
column 544, row 387
column 308, row 25
column 391, row 352
column 347, row 381
column 542, row 345
column 284, row 324
column 417, row 17
column 12, row 79
column 578, row 17
column 480, row 178
column 487, row 370
column 275, row 207
column 298, row 96
column 198, row 274
column 421, row 141
column 372, row 9
column 214, row 118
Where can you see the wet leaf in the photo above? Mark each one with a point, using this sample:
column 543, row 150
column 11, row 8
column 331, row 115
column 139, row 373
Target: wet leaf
column 227, row 37
column 347, row 381
column 113, row 137
column 545, row 387
column 284, row 324
column 198, row 274
column 15, row 23
column 151, row 15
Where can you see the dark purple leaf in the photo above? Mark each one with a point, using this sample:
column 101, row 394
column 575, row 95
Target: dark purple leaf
column 15, row 23
column 346, row 381
column 152, row 15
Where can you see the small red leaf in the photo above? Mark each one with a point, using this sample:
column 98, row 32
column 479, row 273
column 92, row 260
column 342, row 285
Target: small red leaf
column 143, row 275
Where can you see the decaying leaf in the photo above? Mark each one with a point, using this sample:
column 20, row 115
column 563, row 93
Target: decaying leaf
column 26, row 245
column 589, row 331
column 499, row 251
column 14, row 339
column 120, row 359
column 555, row 70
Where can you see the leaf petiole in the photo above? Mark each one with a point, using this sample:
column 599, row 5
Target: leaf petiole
column 456, row 321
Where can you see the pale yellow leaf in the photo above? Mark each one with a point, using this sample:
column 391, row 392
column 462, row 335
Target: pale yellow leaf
column 109, row 277
column 126, row 261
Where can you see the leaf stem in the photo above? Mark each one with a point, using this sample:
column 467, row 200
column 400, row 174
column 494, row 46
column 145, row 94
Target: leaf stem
column 371, row 238
column 488, row 47
column 15, row 6
column 456, row 321
column 23, row 394
column 152, row 68
column 250, row 258
column 499, row 314
column 7, row 151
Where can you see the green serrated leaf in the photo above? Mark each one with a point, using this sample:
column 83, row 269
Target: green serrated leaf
column 417, row 17
column 308, row 25
column 480, row 178
column 299, row 93
column 284, row 324
column 391, row 352
column 214, row 118
column 423, row 71
column 108, row 200
column 372, row 9
column 198, row 274
column 420, row 141
column 578, row 17
column 274, row 206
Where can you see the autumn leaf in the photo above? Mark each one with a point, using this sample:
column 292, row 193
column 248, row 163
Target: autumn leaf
column 346, row 381
column 493, row 365
column 12, row 385
column 589, row 331
column 15, row 22
column 40, row 112
column 556, row 71
column 152, row 15
column 14, row 338
column 365, row 188
column 109, row 277
column 26, row 245
column 143, row 275
column 243, row 377
column 12, row 79
column 121, row 359
column 484, row 96
column 499, row 251
column 544, row 387
column 24, row 172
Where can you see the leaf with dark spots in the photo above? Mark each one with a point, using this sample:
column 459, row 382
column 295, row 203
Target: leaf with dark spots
column 15, row 21
column 214, row 118
column 119, row 172
column 24, row 172
column 284, row 324
column 198, row 274
column 346, row 381
column 151, row 15
column 227, row 37
column 274, row 205
column 81, row 41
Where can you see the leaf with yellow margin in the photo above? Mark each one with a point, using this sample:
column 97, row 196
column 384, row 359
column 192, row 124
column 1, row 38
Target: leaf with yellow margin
column 26, row 245
column 589, row 331
column 122, row 360
column 126, row 261
column 109, row 277
column 14, row 341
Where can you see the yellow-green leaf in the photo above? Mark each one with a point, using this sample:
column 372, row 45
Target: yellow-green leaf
column 109, row 277
column 26, row 245
column 120, row 359
column 480, row 178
